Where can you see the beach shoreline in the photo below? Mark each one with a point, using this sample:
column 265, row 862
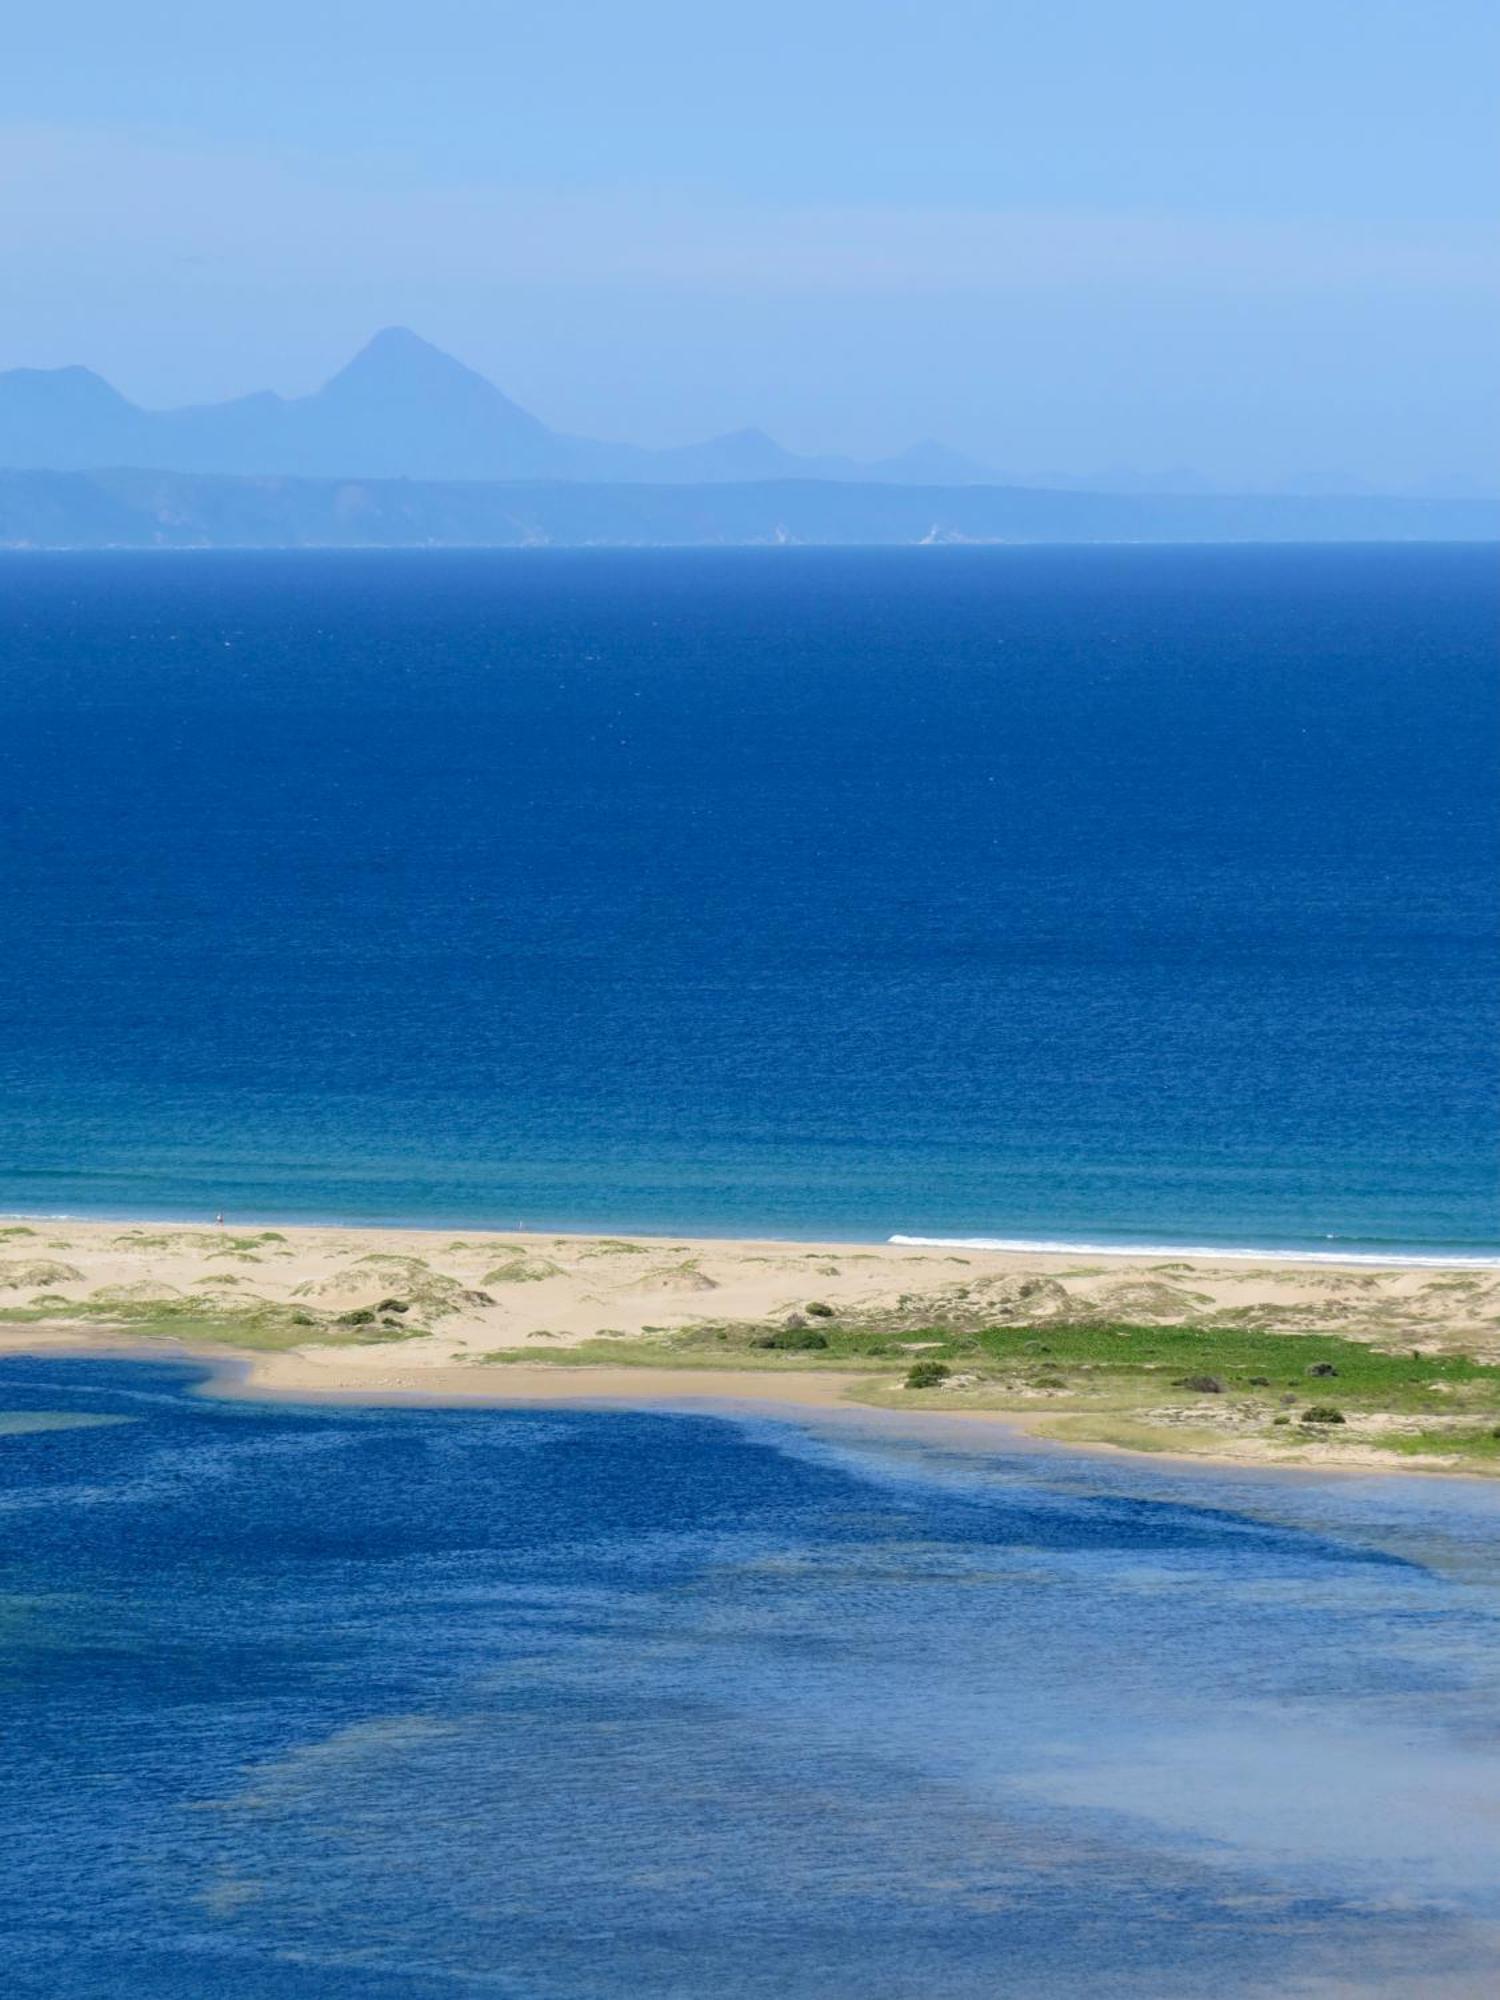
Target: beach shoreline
column 495, row 1318
column 1423, row 1256
column 827, row 1395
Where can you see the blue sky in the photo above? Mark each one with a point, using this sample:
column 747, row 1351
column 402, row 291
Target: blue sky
column 1249, row 238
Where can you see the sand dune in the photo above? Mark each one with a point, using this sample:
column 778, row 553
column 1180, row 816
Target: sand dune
column 343, row 1295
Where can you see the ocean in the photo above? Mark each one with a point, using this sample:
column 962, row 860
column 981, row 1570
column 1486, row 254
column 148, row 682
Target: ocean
column 1109, row 895
column 373, row 1704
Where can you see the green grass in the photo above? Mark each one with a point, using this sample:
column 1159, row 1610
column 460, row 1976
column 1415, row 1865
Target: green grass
column 1119, row 1383
column 1153, row 1356
column 1100, row 1358
column 258, row 1326
column 1101, row 1381
column 1478, row 1447
column 1096, row 1355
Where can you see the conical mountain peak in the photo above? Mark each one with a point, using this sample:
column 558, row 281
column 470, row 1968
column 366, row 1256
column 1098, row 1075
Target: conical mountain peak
column 398, row 360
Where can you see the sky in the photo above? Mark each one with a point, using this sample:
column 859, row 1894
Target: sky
column 1247, row 242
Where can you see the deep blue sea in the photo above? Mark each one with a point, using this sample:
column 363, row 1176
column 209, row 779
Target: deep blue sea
column 342, row 1704
column 1119, row 895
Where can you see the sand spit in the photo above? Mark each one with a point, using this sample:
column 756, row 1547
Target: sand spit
column 507, row 1317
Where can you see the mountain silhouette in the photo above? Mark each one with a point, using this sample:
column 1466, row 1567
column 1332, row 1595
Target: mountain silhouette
column 401, row 409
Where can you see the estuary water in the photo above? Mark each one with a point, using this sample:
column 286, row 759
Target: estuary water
column 359, row 1704
column 1115, row 895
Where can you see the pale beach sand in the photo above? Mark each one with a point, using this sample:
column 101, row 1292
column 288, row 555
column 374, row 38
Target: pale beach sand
column 478, row 1290
column 421, row 1315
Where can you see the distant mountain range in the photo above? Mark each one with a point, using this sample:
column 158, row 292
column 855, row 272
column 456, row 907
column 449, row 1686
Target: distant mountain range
column 406, row 447
column 169, row 510
column 401, row 409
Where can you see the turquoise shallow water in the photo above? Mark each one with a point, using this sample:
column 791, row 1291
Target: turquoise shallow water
column 569, row 1705
column 1117, row 894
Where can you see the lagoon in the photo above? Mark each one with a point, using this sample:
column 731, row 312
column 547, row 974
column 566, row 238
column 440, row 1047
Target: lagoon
column 569, row 1704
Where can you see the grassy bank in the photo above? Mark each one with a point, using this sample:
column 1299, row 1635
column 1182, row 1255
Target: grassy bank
column 1208, row 1380
column 1162, row 1388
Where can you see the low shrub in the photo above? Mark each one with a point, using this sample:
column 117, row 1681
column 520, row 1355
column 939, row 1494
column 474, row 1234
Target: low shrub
column 927, row 1374
column 793, row 1340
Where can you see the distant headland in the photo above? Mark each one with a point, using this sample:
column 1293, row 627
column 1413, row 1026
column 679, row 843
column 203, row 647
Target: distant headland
column 144, row 509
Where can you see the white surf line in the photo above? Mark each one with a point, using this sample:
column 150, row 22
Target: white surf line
column 1202, row 1252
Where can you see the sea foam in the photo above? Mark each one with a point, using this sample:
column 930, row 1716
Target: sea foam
column 1469, row 1261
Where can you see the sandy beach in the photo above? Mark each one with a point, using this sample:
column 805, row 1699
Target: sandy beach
column 504, row 1317
column 479, row 1290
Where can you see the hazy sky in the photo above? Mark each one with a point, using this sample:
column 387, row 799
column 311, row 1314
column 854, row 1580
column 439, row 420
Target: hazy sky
column 1251, row 237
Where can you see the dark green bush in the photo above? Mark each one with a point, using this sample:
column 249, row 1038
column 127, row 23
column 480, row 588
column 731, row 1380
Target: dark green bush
column 793, row 1339
column 1322, row 1413
column 927, row 1374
